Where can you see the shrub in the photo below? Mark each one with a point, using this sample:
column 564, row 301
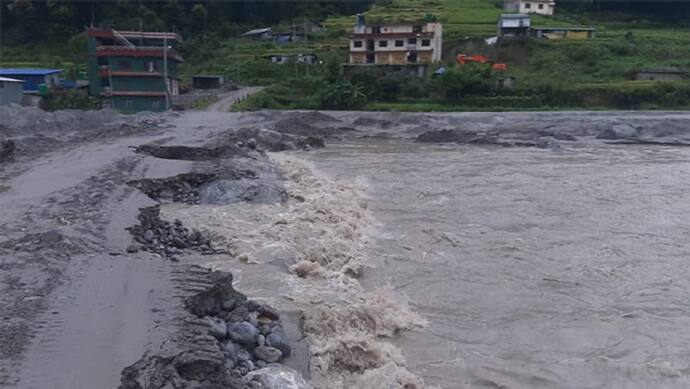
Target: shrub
column 460, row 81
column 68, row 100
column 343, row 95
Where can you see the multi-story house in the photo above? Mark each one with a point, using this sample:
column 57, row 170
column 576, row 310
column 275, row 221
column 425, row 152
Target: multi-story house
column 410, row 45
column 539, row 7
column 134, row 71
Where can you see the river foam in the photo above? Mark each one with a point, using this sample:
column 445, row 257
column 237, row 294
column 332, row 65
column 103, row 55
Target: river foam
column 319, row 236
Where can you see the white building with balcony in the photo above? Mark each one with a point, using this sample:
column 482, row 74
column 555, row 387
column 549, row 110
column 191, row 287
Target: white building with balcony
column 396, row 43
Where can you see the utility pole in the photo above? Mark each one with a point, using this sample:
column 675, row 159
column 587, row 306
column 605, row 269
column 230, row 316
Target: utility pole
column 295, row 57
column 93, row 12
column 306, row 45
column 165, row 70
column 1, row 30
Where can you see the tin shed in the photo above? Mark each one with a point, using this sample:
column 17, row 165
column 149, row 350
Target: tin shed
column 11, row 91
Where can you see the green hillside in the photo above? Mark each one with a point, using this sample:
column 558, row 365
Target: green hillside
column 593, row 73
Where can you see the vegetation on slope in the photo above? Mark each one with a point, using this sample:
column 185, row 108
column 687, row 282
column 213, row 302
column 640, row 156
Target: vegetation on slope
column 592, row 73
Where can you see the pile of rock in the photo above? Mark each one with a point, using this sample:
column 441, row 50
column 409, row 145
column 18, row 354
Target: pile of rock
column 188, row 153
column 234, row 343
column 262, row 139
column 165, row 238
column 182, row 188
column 298, row 125
column 250, row 334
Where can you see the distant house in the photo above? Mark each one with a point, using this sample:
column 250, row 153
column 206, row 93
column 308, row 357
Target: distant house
column 660, row 74
column 410, row 47
column 259, row 33
column 306, row 58
column 33, row 78
column 514, row 25
column 208, row 81
column 11, row 91
column 133, row 70
column 540, row 7
column 563, row 32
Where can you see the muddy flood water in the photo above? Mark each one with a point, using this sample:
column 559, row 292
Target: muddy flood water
column 534, row 268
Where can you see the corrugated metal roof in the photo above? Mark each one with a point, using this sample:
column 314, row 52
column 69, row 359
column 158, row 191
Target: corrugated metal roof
column 514, row 16
column 28, row 72
column 5, row 79
column 258, row 31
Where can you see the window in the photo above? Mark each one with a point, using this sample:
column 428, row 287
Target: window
column 383, row 43
column 125, row 65
column 412, row 57
column 399, row 43
column 426, row 42
column 417, row 29
column 528, row 5
column 412, row 41
column 541, row 6
column 376, row 30
column 357, row 44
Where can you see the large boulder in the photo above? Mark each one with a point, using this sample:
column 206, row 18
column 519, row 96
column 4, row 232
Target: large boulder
column 243, row 190
column 279, row 377
column 244, row 333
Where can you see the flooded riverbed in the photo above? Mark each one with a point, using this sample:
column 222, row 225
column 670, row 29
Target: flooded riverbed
column 535, row 268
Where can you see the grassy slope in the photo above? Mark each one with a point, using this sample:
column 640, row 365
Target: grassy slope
column 622, row 45
column 604, row 62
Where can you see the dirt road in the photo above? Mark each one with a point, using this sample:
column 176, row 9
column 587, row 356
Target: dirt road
column 228, row 100
column 72, row 299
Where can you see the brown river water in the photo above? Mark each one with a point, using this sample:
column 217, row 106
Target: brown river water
column 535, row 268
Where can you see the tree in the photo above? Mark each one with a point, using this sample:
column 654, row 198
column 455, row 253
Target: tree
column 343, row 95
column 460, row 81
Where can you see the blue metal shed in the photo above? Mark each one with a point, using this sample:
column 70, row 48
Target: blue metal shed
column 33, row 77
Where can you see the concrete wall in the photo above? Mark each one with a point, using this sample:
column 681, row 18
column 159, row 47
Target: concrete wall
column 10, row 92
column 133, row 104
